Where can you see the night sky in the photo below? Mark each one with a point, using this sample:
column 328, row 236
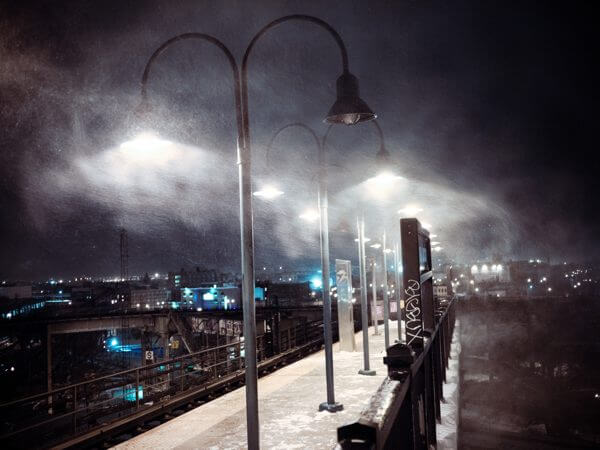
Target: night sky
column 486, row 108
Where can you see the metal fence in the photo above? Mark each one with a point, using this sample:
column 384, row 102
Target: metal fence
column 55, row 416
column 404, row 410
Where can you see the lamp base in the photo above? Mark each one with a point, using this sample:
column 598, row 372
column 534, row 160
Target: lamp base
column 331, row 407
column 367, row 372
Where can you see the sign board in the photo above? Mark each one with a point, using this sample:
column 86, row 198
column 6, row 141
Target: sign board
column 343, row 282
column 418, row 311
column 149, row 355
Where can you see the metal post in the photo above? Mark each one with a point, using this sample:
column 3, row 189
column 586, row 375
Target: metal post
column 330, row 405
column 74, row 409
column 398, row 292
column 374, row 296
column 363, row 298
column 247, row 243
column 137, row 388
column 49, row 367
column 386, row 304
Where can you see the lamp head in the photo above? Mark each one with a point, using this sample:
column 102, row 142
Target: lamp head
column 383, row 175
column 349, row 108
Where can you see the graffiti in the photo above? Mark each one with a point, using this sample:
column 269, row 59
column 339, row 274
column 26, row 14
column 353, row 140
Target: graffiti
column 412, row 308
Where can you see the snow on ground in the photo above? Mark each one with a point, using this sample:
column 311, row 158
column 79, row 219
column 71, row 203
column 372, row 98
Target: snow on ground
column 288, row 406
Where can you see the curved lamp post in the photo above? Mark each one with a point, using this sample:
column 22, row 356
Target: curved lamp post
column 348, row 109
column 330, row 405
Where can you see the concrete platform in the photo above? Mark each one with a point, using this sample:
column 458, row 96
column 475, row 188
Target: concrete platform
column 288, row 406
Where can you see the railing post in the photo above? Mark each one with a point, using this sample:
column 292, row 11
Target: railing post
column 181, row 374
column 74, row 409
column 399, row 360
column 137, row 388
column 215, row 363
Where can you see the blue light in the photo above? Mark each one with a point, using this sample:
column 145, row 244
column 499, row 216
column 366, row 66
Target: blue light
column 316, row 283
column 114, row 342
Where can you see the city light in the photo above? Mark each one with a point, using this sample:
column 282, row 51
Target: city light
column 375, row 246
column 268, row 192
column 316, row 283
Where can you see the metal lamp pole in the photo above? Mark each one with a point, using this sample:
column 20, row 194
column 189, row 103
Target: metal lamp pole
column 398, row 291
column 363, row 298
column 374, row 319
column 330, row 405
column 386, row 305
column 348, row 109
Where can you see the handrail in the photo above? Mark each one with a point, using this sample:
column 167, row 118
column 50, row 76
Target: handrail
column 67, row 411
column 403, row 411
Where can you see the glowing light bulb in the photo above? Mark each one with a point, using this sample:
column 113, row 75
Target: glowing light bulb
column 310, row 215
column 268, row 192
column 410, row 210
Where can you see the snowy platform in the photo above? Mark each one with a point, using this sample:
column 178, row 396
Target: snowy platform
column 288, row 406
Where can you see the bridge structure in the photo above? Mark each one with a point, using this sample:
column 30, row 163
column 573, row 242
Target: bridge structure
column 92, row 411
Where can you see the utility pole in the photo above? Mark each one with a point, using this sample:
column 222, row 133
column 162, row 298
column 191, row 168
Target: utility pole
column 124, row 247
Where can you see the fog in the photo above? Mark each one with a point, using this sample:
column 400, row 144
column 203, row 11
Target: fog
column 69, row 105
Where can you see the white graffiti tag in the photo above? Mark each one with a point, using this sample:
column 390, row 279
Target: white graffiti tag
column 412, row 313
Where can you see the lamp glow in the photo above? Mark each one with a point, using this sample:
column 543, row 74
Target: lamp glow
column 148, row 148
column 410, row 210
column 268, row 192
column 310, row 215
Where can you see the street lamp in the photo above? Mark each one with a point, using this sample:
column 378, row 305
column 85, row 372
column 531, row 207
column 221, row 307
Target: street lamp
column 268, row 192
column 348, row 109
column 312, row 215
column 410, row 210
column 330, row 405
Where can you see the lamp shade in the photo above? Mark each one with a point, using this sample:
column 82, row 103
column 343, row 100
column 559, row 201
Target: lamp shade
column 349, row 108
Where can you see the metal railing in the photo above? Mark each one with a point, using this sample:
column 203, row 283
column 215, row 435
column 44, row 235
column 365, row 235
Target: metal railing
column 404, row 410
column 80, row 408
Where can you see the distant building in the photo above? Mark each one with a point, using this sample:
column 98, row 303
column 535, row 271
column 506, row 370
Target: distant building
column 192, row 278
column 441, row 291
column 149, row 298
column 15, row 292
column 487, row 272
column 213, row 297
column 291, row 294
